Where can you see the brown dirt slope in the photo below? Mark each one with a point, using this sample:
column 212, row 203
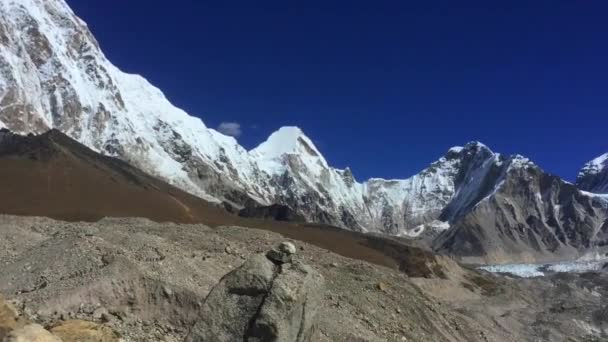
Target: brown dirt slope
column 53, row 175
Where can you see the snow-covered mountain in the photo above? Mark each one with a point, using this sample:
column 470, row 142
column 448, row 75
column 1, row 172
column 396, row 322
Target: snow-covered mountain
column 593, row 177
column 53, row 74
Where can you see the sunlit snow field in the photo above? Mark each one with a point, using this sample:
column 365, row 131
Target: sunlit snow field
column 541, row 270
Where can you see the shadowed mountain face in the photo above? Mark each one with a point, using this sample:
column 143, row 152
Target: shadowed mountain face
column 531, row 216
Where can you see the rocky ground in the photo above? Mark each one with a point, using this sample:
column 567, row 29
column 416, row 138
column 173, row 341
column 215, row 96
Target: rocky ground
column 148, row 282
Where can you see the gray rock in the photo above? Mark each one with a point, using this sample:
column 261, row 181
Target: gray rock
column 261, row 301
column 229, row 250
column 229, row 307
column 287, row 248
column 167, row 292
column 288, row 313
column 279, row 257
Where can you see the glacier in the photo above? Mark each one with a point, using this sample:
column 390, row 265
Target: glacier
column 540, row 270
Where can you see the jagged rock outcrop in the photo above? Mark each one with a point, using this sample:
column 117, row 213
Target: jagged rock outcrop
column 266, row 299
column 593, row 177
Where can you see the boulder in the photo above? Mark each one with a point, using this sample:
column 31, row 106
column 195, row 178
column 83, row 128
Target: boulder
column 288, row 313
column 263, row 300
column 229, row 307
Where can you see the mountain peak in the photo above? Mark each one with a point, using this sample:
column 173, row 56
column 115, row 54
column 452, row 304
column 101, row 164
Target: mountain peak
column 476, row 145
column 469, row 149
column 282, row 146
column 286, row 140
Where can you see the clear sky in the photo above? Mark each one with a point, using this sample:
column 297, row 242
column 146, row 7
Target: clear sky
column 384, row 87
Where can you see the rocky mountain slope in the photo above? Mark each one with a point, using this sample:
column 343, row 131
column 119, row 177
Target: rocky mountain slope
column 593, row 177
column 53, row 74
column 161, row 282
column 530, row 216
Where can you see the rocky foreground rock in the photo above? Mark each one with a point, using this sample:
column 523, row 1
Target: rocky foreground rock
column 269, row 298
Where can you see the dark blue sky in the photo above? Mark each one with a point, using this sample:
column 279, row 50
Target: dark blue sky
column 382, row 86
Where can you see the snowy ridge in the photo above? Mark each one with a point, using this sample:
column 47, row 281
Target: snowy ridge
column 596, row 165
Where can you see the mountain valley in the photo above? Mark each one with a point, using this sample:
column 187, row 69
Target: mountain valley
column 55, row 76
column 124, row 218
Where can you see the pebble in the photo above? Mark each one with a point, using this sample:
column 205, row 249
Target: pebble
column 382, row 287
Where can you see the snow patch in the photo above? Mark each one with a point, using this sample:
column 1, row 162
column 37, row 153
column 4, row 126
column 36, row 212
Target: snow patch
column 595, row 166
column 520, row 270
column 591, row 194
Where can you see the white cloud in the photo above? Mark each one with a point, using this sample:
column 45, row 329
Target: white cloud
column 232, row 129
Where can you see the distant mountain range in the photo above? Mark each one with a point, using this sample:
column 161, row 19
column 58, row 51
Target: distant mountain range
column 471, row 202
